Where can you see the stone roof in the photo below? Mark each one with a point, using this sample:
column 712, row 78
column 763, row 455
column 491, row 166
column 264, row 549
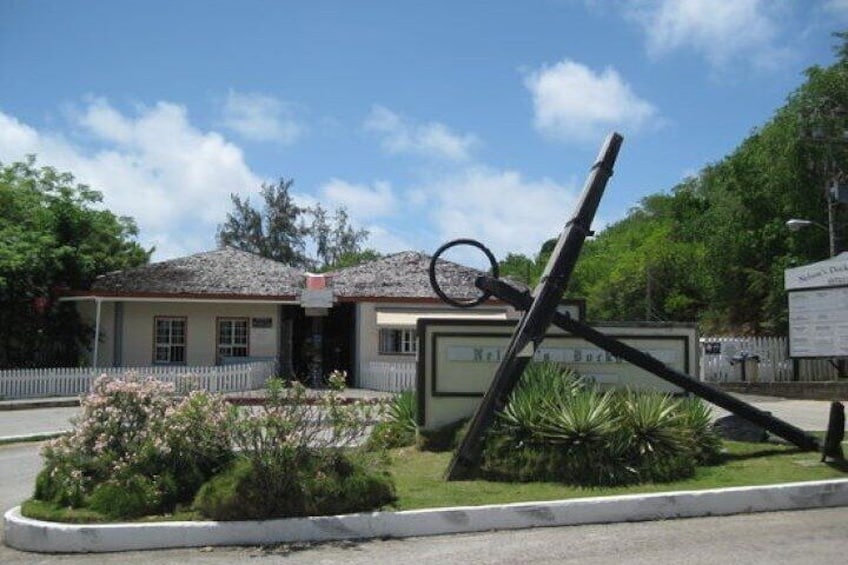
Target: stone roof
column 404, row 275
column 226, row 271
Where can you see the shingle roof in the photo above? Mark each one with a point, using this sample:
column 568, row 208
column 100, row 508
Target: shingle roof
column 231, row 272
column 404, row 275
column 226, row 271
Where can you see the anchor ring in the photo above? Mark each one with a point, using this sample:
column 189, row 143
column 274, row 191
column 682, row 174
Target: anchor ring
column 435, row 285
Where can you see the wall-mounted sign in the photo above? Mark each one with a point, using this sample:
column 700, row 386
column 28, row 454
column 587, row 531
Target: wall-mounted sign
column 262, row 323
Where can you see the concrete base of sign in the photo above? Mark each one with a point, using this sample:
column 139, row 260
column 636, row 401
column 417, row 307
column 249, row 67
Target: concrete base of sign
column 50, row 537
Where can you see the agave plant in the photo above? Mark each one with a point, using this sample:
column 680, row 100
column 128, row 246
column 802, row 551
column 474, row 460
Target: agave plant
column 697, row 417
column 402, row 410
column 543, row 388
column 586, row 419
column 654, row 424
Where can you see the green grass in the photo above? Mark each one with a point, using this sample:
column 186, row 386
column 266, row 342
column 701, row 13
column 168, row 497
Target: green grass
column 419, row 478
column 49, row 512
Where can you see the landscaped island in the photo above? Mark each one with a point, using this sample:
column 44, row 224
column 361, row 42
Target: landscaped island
column 138, row 451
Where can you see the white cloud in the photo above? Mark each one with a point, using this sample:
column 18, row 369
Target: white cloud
column 258, row 117
column 837, row 7
column 504, row 211
column 573, row 103
column 386, row 240
column 432, row 139
column 154, row 166
column 721, row 30
column 361, row 201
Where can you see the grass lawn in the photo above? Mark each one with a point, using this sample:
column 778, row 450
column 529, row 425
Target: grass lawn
column 419, row 477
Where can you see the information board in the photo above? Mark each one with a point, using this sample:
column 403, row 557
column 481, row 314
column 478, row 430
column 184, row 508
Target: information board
column 818, row 322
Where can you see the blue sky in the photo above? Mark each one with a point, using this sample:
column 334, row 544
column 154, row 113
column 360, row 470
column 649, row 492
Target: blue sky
column 426, row 120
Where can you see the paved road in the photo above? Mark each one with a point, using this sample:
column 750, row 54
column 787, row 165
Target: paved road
column 36, row 421
column 19, row 465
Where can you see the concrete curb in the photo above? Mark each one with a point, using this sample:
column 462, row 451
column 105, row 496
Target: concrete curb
column 9, row 405
column 26, row 438
column 50, row 537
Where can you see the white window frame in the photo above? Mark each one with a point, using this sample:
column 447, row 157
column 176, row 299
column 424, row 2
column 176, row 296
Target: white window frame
column 229, row 347
column 171, row 343
column 398, row 341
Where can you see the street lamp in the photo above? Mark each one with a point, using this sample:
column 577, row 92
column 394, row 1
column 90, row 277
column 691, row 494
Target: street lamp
column 796, row 224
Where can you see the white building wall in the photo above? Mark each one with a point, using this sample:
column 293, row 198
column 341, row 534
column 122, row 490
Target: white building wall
column 367, row 328
column 201, row 323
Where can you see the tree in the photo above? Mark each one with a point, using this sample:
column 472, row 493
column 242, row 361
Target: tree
column 338, row 243
column 283, row 231
column 714, row 248
column 277, row 231
column 52, row 238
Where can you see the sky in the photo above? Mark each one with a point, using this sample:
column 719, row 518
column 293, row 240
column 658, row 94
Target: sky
column 426, row 121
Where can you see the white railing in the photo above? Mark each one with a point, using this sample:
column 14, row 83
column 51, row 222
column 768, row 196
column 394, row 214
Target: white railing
column 774, row 364
column 40, row 383
column 389, row 377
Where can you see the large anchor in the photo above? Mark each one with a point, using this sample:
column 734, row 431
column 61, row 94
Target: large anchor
column 539, row 311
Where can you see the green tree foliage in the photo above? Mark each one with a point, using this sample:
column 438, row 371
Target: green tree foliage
column 283, row 231
column 53, row 236
column 276, row 231
column 520, row 268
column 714, row 248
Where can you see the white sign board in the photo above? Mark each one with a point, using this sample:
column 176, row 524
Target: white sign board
column 818, row 322
column 818, row 308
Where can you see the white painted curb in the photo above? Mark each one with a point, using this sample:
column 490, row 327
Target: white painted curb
column 50, row 537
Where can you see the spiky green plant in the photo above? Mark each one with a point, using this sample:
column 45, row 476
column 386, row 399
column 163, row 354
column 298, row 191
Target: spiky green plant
column 543, row 387
column 400, row 427
column 555, row 428
column 654, row 423
column 697, row 417
column 402, row 411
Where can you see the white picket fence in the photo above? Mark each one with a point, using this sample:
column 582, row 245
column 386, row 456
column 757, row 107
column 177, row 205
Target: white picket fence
column 389, row 377
column 774, row 364
column 41, row 383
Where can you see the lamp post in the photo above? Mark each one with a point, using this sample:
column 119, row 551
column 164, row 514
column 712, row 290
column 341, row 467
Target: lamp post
column 796, row 224
column 825, row 120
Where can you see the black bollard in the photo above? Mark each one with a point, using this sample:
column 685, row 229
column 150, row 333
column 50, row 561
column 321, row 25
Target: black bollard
column 835, row 433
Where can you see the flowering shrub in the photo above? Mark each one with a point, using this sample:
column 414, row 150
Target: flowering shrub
column 297, row 458
column 136, row 448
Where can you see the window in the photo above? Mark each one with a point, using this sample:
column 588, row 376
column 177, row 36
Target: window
column 232, row 337
column 169, row 342
column 398, row 342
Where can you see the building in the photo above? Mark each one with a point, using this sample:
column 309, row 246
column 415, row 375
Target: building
column 227, row 306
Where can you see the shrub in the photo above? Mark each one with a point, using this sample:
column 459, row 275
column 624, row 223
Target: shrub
column 656, row 436
column 297, row 458
column 554, row 428
column 319, row 485
column 400, row 428
column 136, row 449
column 445, row 438
column 705, row 441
